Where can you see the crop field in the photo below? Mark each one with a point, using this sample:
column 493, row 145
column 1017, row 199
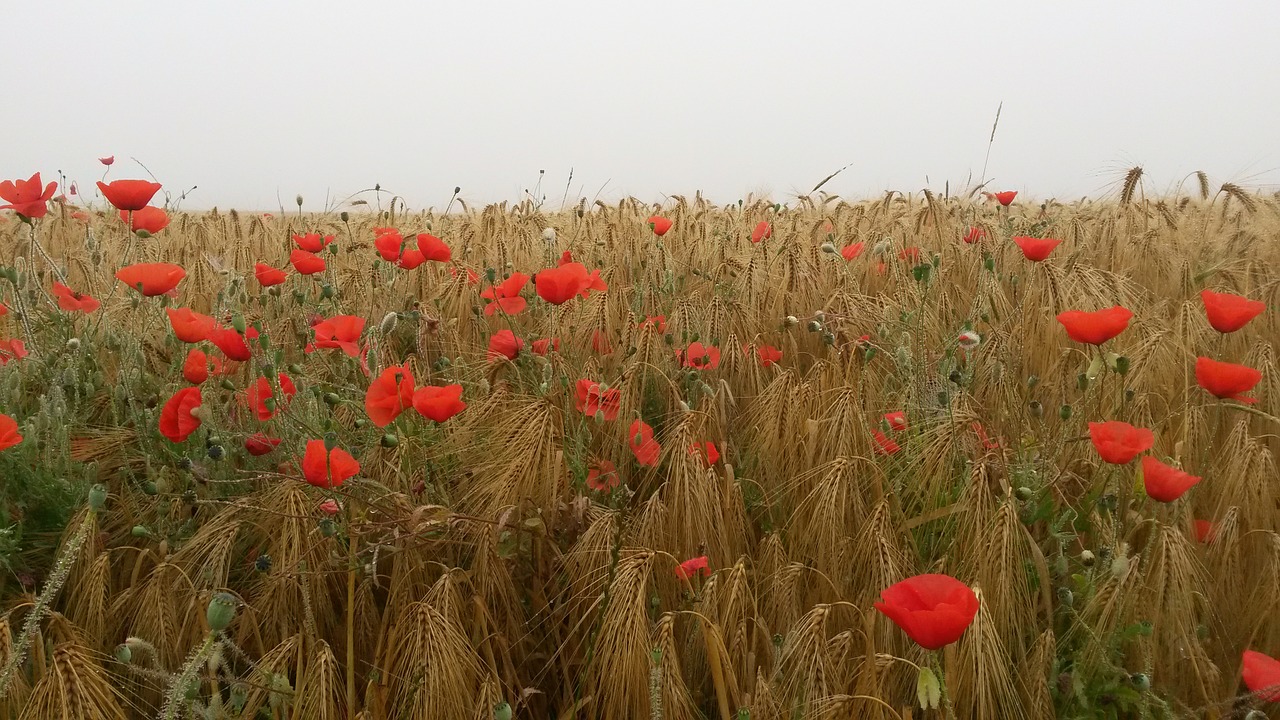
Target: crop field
column 915, row 456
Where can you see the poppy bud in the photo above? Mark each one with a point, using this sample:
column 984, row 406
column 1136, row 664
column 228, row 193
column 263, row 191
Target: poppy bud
column 221, row 610
column 123, row 653
column 388, row 323
column 331, row 399
column 390, row 440
column 1033, row 381
column 828, row 338
column 599, row 416
column 140, row 531
column 298, row 200
column 344, row 216
column 828, row 248
column 237, row 322
column 484, row 386
column 1086, row 558
column 97, row 497
column 1122, row 365
column 362, row 423
column 490, row 275
column 1064, row 412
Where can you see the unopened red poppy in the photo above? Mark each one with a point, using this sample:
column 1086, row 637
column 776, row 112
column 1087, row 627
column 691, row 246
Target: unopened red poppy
column 329, row 507
column 341, row 332
column 259, row 444
column 561, row 284
column 768, row 355
column 707, row 451
column 1164, row 482
column 312, row 242
column 1006, row 198
column 439, row 403
column 1036, row 249
column 176, row 421
column 129, row 194
column 591, row 399
column 897, row 419
column 1261, row 674
column 149, row 219
column 1227, row 380
column 29, row 198
column 933, row 610
column 9, row 435
column 884, row 445
column 1119, row 442
column 327, row 468
column 541, row 346
column 389, row 395
column 433, row 248
column 262, row 399
column 505, row 344
column 190, row 326
column 1228, row 313
column 195, row 369
column 658, row 224
column 643, row 446
column 506, row 295
column 849, row 252
column 1095, row 327
column 762, row 231
column 151, row 279
column 693, row 567
column 72, row 301
column 699, row 356
column 306, row 263
column 231, row 343
column 973, row 234
column 602, row 476
column 985, row 440
column 267, row 275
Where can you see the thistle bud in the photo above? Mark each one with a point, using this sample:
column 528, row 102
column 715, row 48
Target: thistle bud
column 222, row 607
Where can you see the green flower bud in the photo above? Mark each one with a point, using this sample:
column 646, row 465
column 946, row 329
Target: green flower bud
column 390, row 440
column 123, row 653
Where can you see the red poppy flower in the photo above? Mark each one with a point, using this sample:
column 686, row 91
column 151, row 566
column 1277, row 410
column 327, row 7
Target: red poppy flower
column 1119, row 442
column 973, row 234
column 129, row 194
column 1095, row 327
column 594, row 282
column 589, row 400
column 693, row 567
column 849, row 252
column 559, row 285
column 699, row 356
column 231, row 343
column 1226, row 380
column 12, row 349
column 762, row 231
column 472, row 276
column 1204, row 531
column 306, row 263
column 658, row 224
column 657, row 322
column 439, row 403
column 259, row 444
column 108, row 160
column 1006, row 198
column 643, row 446
column 329, row 507
column 9, row 435
column 389, row 395
column 768, row 355
column 506, row 295
column 260, row 392
column 707, row 450
column 884, row 445
column 412, row 256
column 897, row 419
column 1163, row 482
column 341, row 332
column 983, row 438
column 176, row 421
column 909, row 253
column 389, row 244
column 540, row 347
column 327, row 469
column 433, row 248
column 149, row 219
column 566, row 257
column 190, row 326
column 602, row 476
column 600, row 342
column 504, row 343
column 195, row 369
column 71, row 300
column 28, row 197
column 1261, row 675
column 151, row 279
column 267, row 275
column 933, row 610
column 1228, row 313
column 312, row 242
column 1036, row 249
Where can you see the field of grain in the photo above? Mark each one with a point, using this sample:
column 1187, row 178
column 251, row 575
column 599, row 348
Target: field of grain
column 735, row 434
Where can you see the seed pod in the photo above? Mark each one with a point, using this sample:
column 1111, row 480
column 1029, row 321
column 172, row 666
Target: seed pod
column 97, row 497
column 1087, row 558
column 390, row 440
column 222, row 608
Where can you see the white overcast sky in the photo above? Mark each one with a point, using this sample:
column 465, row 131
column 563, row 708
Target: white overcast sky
column 254, row 99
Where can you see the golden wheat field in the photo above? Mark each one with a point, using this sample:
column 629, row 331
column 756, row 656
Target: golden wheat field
column 629, row 461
